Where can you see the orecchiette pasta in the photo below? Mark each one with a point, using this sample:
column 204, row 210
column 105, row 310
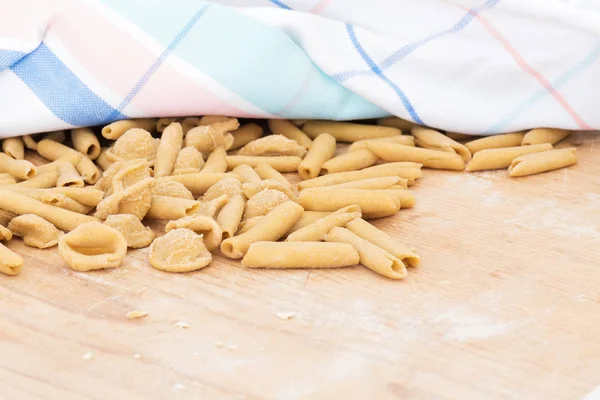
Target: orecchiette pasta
column 135, row 233
column 188, row 160
column 135, row 200
column 202, row 225
column 135, row 143
column 180, row 250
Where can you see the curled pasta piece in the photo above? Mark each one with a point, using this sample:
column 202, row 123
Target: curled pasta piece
column 265, row 171
column 188, row 160
column 406, row 140
column 290, row 131
column 495, row 142
column 209, row 137
column 227, row 186
column 60, row 200
column 135, row 143
column 371, row 256
column 31, row 141
column 213, row 119
column 168, row 150
column 117, row 129
column 537, row 163
column 322, row 149
column 273, row 145
column 432, row 139
column 162, row 123
column 35, row 231
column 212, row 207
column 92, row 246
column 544, row 135
column 247, row 173
column 189, row 123
column 502, row 158
column 180, row 250
column 348, row 132
column 14, row 147
column 351, row 161
column 252, row 188
column 68, row 176
column 384, row 182
column 135, row 200
column 171, row 189
column 135, row 233
column 300, row 255
column 263, row 202
column 279, row 163
column 230, row 216
column 373, row 204
column 396, row 122
column 202, row 225
column 216, row 161
column 53, row 151
column 41, row 181
column 318, row 229
column 198, row 183
column 7, row 179
column 245, row 134
column 171, row 208
column 10, row 262
column 85, row 141
column 124, row 174
column 20, row 169
column 393, row 152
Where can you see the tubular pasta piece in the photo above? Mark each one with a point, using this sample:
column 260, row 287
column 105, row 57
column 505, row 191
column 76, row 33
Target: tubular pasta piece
column 227, row 186
column 299, row 122
column 71, row 157
column 264, row 202
column 7, row 179
column 247, row 174
column 279, row 163
column 374, row 204
column 198, row 183
column 168, row 149
column 20, row 169
column 252, row 188
column 209, row 137
column 273, row 145
column 171, row 189
column 432, row 139
column 213, row 119
column 102, row 160
column 92, row 246
column 162, row 123
column 87, row 196
column 41, row 181
column 318, row 229
column 52, row 151
column 348, row 132
column 248, row 224
column 68, row 176
column 135, row 200
column 171, row 208
column 188, row 160
column 393, row 152
column 135, row 233
column 230, row 216
column 189, row 123
column 60, row 200
column 544, row 135
column 406, row 140
column 5, row 233
column 56, row 136
column 407, row 200
column 35, row 231
column 245, row 134
column 30, row 141
column 14, row 147
column 300, row 255
column 117, row 129
column 216, row 161
column 495, row 142
column 536, row 163
column 502, row 158
column 180, row 250
column 202, row 225
column 265, row 171
column 322, row 149
column 384, row 182
column 290, row 131
column 396, row 122
column 5, row 218
column 10, row 262
column 212, row 207
column 350, row 161
column 459, row 136
column 308, row 217
column 85, row 141
column 135, row 143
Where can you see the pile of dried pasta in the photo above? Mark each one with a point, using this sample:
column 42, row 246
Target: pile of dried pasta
column 220, row 187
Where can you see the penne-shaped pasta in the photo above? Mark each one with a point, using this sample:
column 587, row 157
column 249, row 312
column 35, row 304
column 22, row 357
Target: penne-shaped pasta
column 381, row 239
column 202, row 225
column 544, row 135
column 70, row 157
column 35, row 231
column 406, row 140
column 318, row 229
column 265, row 171
column 30, row 141
column 135, row 233
column 407, row 199
column 188, row 160
column 307, row 218
column 459, row 136
column 247, row 173
column 162, row 123
column 41, row 181
column 134, row 144
column 270, row 228
column 199, row 182
column 393, row 152
column 102, row 160
column 272, row 145
column 60, row 200
column 373, row 204
column 216, row 161
column 226, row 186
column 290, row 131
column 434, row 140
column 245, row 134
column 384, row 182
column 495, row 142
column 188, row 123
column 20, row 169
column 230, row 216
column 502, row 158
column 168, row 150
column 248, row 224
column 371, row 256
column 57, row 136
column 351, row 161
column 14, row 147
column 299, row 122
column 7, row 179
column 279, row 163
column 180, row 250
column 135, row 199
column 300, row 255
column 396, row 122
column 171, row 189
column 85, row 141
column 536, row 163
column 348, row 132
column 207, row 138
column 5, row 233
column 52, row 151
column 68, row 176
column 10, row 262
column 213, row 119
column 87, row 196
column 171, row 208
column 117, row 129
column 321, row 150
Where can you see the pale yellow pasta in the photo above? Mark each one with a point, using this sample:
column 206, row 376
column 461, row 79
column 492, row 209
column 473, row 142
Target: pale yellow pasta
column 135, row 233
column 102, row 160
column 300, row 255
column 227, row 186
column 495, row 142
column 264, row 202
column 68, row 176
column 372, row 183
column 381, row 239
column 44, row 180
column 60, row 200
column 248, row 224
column 397, row 187
column 373, row 204
column 247, row 173
column 348, row 132
column 321, row 150
column 180, row 250
column 406, row 170
column 168, row 150
column 351, row 161
column 536, row 163
column 85, row 141
column 213, row 119
column 308, row 217
column 290, row 131
column 396, row 122
column 202, row 225
column 86, row 196
column 10, row 262
column 92, row 246
column 5, row 233
column 230, row 216
column 171, row 189
column 7, row 179
column 371, row 256
column 117, row 129
column 134, row 199
column 216, row 161
column 5, row 218
column 459, row 136
column 299, row 122
column 14, row 147
column 188, row 160
column 544, row 135
column 57, row 136
column 407, row 199
column 135, row 143
column 436, row 159
column 170, row 208
column 35, row 231
column 432, row 139
column 209, row 137
column 52, row 151
column 265, row 171
column 199, row 182
column 162, row 123
column 318, row 229
column 123, row 174
column 273, row 145
column 406, row 140
column 189, row 123
column 270, row 228
column 245, row 134
column 502, row 158
column 279, row 163
column 20, row 169
column 252, row 188
column 211, row 208
column 72, row 157
column 19, row 204
column 30, row 142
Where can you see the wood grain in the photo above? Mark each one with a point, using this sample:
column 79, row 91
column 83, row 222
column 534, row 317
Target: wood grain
column 505, row 305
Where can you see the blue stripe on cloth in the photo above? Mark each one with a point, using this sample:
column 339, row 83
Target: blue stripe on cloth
column 9, row 57
column 61, row 90
column 280, row 4
column 571, row 73
column 409, row 48
column 405, row 101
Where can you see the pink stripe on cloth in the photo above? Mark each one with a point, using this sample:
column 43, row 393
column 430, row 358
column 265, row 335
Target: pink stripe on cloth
column 319, row 7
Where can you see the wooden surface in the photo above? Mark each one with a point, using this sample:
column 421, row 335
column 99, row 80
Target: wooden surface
column 505, row 305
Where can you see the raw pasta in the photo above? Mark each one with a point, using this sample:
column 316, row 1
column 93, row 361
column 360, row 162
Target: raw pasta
column 35, row 231
column 212, row 207
column 216, row 161
column 198, row 182
column 162, row 123
column 263, row 202
column 400, row 139
column 213, row 119
column 322, row 149
column 308, row 217
column 544, row 135
column 20, row 169
column 252, row 188
column 180, row 250
column 135, row 200
column 432, row 139
column 44, row 180
column 265, row 171
column 68, row 176
column 318, row 229
column 300, row 255
column 372, row 183
column 230, row 216
column 396, row 123
column 85, row 141
column 168, row 150
column 502, row 158
column 495, row 142
column 188, row 160
column 373, row 204
column 273, row 145
column 279, row 163
column 227, row 186
column 245, row 134
column 202, row 225
column 10, row 262
column 171, row 189
column 14, row 147
column 171, row 208
column 133, row 144
column 247, row 173
column 290, row 131
column 209, row 137
column 348, row 132
column 135, row 233
column 351, row 161
column 117, row 129
column 5, row 218
column 7, row 179
column 536, row 163
column 394, row 152
column 52, row 151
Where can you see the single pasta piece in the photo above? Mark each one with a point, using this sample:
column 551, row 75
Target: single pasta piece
column 544, row 135
column 123, row 174
column 300, row 255
column 60, row 200
column 171, row 189
column 87, row 196
column 10, row 262
column 396, row 122
column 216, row 161
column 92, row 246
column 407, row 200
column 52, row 151
column 30, row 141
column 19, row 204
column 135, row 200
column 57, row 136
column 117, row 129
column 162, row 123
column 135, row 233
column 273, row 145
column 307, row 218
column 299, row 122
column 247, row 173
column 212, row 207
column 188, row 160
column 265, row 171
column 209, row 137
column 406, row 170
column 373, row 204
column 14, row 147
column 252, row 188
column 384, row 182
column 171, row 208
column 495, row 142
column 270, row 228
column 371, row 256
column 393, row 152
column 7, row 179
column 41, row 181
column 230, row 216
column 168, row 150
column 198, row 182
column 322, row 149
column 406, row 140
column 135, row 143
column 68, row 176
column 35, row 231
column 20, row 169
column 459, row 136
column 318, row 229
column 290, row 131
column 348, row 132
column 397, row 187
column 5, row 218
column 263, row 203
column 227, row 186
column 189, row 123
column 351, row 161
column 279, row 163
column 213, row 119
column 5, row 233
column 502, row 158
column 102, row 160
column 381, row 239
column 245, row 134
column 180, row 250
column 202, row 225
column 248, row 224
column 86, row 142
column 73, row 158
column 432, row 139
column 536, row 163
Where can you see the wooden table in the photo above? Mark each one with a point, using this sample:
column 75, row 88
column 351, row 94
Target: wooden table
column 506, row 304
